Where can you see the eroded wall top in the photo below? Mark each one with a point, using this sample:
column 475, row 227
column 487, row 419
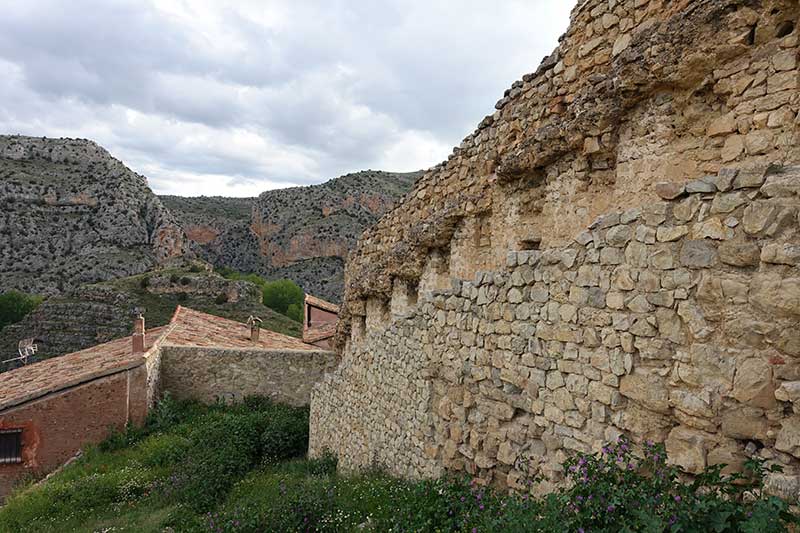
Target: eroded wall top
column 637, row 92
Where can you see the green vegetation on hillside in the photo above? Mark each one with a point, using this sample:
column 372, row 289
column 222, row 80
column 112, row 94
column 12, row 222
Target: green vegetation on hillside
column 196, row 468
column 161, row 306
column 283, row 295
column 15, row 305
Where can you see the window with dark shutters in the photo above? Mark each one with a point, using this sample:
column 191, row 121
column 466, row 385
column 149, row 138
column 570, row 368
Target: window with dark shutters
column 10, row 446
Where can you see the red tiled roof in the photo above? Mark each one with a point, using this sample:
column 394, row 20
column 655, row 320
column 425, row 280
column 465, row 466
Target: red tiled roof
column 318, row 333
column 193, row 328
column 187, row 328
column 51, row 375
column 321, row 304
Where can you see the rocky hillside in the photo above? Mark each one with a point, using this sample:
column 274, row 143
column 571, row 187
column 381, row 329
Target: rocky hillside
column 97, row 313
column 72, row 214
column 301, row 233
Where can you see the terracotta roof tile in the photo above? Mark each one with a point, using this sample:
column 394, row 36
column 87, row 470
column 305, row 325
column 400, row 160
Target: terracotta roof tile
column 187, row 328
column 193, row 328
column 51, row 375
column 318, row 333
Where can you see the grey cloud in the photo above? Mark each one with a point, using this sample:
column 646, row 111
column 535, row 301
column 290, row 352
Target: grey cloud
column 266, row 90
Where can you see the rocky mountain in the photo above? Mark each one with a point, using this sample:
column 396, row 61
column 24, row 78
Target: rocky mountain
column 300, row 233
column 72, row 214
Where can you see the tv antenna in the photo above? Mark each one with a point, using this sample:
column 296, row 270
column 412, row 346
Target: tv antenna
column 26, row 348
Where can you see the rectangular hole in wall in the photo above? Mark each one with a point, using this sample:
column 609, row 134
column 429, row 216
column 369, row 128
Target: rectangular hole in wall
column 10, row 446
column 530, row 244
column 413, row 294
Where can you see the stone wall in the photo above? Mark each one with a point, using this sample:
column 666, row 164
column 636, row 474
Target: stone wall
column 637, row 92
column 676, row 321
column 209, row 374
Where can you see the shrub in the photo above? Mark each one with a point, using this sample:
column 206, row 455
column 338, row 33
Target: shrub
column 295, row 312
column 279, row 295
column 174, row 278
column 144, row 282
column 183, row 297
column 221, row 298
column 286, row 434
column 185, row 281
column 15, row 305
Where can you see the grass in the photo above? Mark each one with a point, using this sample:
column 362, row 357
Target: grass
column 218, row 469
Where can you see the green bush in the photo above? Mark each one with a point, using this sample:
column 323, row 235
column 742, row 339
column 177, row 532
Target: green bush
column 295, row 312
column 221, row 298
column 280, row 294
column 144, row 282
column 15, row 305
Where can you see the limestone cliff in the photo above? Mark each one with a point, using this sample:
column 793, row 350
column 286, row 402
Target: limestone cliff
column 300, row 233
column 73, row 214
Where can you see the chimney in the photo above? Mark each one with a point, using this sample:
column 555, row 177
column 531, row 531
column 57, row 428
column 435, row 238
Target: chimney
column 138, row 335
column 253, row 322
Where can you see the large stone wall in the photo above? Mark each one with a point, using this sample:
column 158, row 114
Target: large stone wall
column 676, row 322
column 210, row 374
column 637, row 92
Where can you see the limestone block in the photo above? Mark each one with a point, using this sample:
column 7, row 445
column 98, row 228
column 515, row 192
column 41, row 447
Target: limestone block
column 687, row 448
column 671, row 233
column 781, row 253
column 744, row 423
column 788, row 439
column 758, row 142
column 669, row 190
column 782, row 185
column 686, row 209
column 783, row 486
column 733, row 148
column 775, row 294
column 722, row 125
column 740, row 254
column 698, row 254
column 753, row 384
column 647, row 389
column 785, row 60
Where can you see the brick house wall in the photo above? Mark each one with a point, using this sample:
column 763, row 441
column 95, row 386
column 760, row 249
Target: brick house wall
column 56, row 426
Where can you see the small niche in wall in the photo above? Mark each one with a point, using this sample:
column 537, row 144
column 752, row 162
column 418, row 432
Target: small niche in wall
column 413, row 294
column 532, row 243
column 784, row 28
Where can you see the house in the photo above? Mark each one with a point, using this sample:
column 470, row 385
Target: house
column 51, row 409
column 319, row 322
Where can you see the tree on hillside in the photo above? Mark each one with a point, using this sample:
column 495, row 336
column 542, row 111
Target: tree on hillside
column 280, row 294
column 14, row 305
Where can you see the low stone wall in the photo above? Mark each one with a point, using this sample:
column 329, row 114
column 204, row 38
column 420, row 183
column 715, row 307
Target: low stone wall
column 210, row 375
column 675, row 322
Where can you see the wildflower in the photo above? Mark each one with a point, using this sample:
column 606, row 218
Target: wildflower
column 610, row 508
column 677, row 498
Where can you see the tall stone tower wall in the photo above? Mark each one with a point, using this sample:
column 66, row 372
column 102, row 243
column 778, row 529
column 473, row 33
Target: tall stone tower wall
column 484, row 326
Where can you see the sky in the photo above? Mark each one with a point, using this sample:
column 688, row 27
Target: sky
column 235, row 97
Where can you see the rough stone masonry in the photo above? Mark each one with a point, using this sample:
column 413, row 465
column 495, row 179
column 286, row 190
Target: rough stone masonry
column 485, row 329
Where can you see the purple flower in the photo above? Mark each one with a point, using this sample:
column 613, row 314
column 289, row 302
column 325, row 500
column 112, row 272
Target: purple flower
column 677, row 498
column 610, row 508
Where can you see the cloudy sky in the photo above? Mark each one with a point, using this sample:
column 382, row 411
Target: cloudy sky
column 233, row 97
